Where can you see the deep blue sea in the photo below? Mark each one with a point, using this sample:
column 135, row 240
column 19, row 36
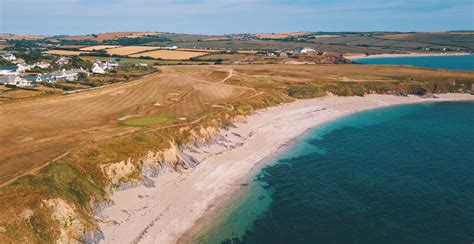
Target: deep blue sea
column 402, row 174
column 465, row 62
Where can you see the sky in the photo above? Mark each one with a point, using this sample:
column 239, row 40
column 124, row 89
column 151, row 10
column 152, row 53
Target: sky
column 72, row 17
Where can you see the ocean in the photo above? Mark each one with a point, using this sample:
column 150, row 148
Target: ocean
column 402, row 174
column 465, row 62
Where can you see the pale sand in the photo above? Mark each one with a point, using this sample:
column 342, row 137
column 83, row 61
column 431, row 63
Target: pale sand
column 163, row 213
column 388, row 55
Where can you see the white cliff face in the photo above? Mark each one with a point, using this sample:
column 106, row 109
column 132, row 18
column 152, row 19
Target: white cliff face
column 71, row 229
column 116, row 172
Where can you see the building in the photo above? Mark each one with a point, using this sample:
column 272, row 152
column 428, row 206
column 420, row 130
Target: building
column 171, row 48
column 307, row 50
column 66, row 75
column 102, row 67
column 21, row 67
column 97, row 68
column 42, row 65
column 8, row 56
column 62, row 61
column 14, row 80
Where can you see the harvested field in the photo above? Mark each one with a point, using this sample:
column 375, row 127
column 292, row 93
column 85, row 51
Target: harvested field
column 169, row 54
column 129, row 50
column 110, row 36
column 98, row 47
column 72, row 46
column 216, row 39
column 199, row 50
column 280, row 35
column 119, row 60
column 3, row 45
column 20, row 37
column 65, row 52
column 248, row 51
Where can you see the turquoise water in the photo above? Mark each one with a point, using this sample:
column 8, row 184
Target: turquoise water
column 403, row 174
column 465, row 62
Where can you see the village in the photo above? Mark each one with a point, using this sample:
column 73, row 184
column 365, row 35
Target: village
column 16, row 75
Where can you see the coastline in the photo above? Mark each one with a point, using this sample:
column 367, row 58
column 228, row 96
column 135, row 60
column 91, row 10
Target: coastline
column 398, row 55
column 179, row 204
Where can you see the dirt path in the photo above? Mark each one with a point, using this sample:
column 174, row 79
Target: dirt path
column 34, row 170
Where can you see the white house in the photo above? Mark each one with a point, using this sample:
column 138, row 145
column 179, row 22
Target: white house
column 42, row 65
column 102, row 67
column 171, row 47
column 97, row 69
column 307, row 50
column 22, row 67
column 14, row 80
column 62, row 61
column 8, row 56
column 67, row 75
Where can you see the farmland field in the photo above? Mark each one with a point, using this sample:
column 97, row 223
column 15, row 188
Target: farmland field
column 110, row 36
column 129, row 50
column 168, row 54
column 280, row 35
column 65, row 52
column 98, row 47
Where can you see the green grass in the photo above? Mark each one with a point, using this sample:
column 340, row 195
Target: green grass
column 146, row 121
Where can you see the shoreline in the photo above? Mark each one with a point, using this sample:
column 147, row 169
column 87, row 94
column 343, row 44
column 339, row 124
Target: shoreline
column 399, row 55
column 182, row 203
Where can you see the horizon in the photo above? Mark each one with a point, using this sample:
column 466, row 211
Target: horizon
column 205, row 17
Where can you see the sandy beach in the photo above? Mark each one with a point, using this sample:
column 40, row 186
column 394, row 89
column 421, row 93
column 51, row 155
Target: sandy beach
column 388, row 55
column 162, row 214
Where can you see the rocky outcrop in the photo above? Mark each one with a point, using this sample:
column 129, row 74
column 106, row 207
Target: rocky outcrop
column 71, row 229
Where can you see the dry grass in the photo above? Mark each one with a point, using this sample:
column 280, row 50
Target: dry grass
column 3, row 45
column 396, row 36
column 170, row 55
column 110, row 36
column 65, row 52
column 280, row 35
column 20, row 37
column 40, row 130
column 248, row 51
column 98, row 47
column 123, row 121
column 129, row 50
column 199, row 50
column 222, row 38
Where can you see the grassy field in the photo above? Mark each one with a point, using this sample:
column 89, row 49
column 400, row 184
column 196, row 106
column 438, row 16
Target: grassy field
column 146, row 121
column 98, row 47
column 40, row 130
column 281, row 35
column 65, row 141
column 169, row 54
column 120, row 60
column 110, row 36
column 65, row 52
column 129, row 50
